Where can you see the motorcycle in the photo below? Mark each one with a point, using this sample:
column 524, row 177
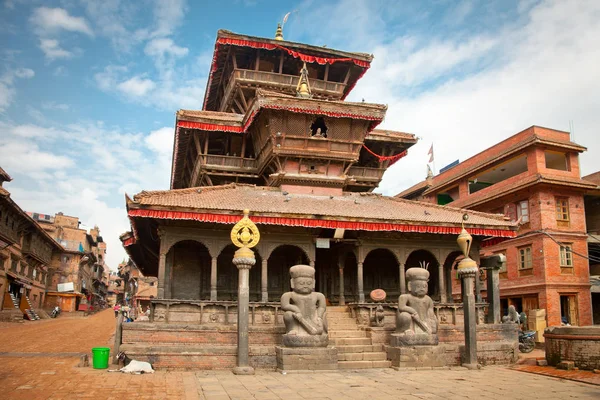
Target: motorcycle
column 55, row 312
column 526, row 341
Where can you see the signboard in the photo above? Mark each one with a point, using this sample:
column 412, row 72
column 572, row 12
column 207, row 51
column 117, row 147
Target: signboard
column 66, row 287
column 322, row 243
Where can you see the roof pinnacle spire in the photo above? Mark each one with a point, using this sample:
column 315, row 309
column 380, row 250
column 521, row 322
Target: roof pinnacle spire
column 279, row 32
column 303, row 87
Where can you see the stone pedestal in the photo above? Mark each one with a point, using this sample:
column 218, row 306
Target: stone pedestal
column 306, row 340
column 306, row 358
column 413, row 339
column 417, row 356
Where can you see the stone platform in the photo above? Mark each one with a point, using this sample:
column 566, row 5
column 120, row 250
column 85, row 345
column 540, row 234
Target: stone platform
column 418, row 356
column 306, row 358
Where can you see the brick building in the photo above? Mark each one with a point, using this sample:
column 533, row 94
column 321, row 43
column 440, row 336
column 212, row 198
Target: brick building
column 26, row 254
column 592, row 219
column 533, row 178
column 79, row 275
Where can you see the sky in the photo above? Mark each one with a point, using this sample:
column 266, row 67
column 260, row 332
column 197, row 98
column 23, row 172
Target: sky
column 89, row 89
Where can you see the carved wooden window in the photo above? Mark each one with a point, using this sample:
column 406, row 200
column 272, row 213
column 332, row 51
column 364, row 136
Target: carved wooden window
column 562, row 211
column 525, row 259
column 523, row 211
column 318, row 128
column 566, row 255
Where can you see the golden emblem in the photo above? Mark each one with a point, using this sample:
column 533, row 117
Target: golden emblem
column 245, row 233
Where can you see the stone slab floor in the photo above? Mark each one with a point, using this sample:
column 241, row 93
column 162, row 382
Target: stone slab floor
column 38, row 361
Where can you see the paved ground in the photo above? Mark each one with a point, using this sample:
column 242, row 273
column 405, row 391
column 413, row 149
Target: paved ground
column 38, row 361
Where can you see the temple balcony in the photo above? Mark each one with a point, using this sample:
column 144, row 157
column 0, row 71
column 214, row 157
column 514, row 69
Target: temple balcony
column 224, row 165
column 366, row 174
column 35, row 247
column 242, row 83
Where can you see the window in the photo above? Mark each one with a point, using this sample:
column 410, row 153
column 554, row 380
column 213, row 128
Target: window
column 562, row 209
column 525, row 258
column 318, row 128
column 566, row 256
column 34, row 273
column 523, row 211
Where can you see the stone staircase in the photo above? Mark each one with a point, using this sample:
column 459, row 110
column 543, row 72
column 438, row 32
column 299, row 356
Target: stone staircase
column 31, row 314
column 355, row 349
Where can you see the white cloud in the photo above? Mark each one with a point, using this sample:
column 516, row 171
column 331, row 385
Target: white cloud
column 24, row 73
column 52, row 49
column 136, row 86
column 164, row 46
column 51, row 105
column 474, row 91
column 27, row 158
column 7, row 82
column 161, row 141
column 52, row 20
column 168, row 15
column 83, row 170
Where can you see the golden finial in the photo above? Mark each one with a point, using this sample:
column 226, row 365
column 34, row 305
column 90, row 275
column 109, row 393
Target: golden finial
column 245, row 234
column 303, row 87
column 279, row 32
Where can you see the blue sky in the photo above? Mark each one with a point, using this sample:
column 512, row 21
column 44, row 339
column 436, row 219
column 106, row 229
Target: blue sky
column 89, row 89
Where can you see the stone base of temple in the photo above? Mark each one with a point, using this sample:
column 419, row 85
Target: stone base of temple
column 413, row 339
column 418, row 356
column 306, row 358
column 305, row 340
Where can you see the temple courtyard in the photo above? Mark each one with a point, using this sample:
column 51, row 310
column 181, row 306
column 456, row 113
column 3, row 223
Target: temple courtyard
column 40, row 362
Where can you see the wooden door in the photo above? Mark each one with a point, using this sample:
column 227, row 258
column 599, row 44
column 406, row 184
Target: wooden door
column 530, row 303
column 573, row 318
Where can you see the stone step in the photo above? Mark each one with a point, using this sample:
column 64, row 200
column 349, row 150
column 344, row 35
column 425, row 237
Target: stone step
column 342, row 327
column 340, row 318
column 363, row 348
column 334, row 334
column 363, row 364
column 350, row 341
column 367, row 356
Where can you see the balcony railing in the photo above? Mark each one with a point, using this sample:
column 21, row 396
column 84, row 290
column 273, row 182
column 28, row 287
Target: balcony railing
column 230, row 162
column 275, row 80
column 366, row 173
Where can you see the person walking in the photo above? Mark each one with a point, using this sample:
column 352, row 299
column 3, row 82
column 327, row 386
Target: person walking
column 117, row 308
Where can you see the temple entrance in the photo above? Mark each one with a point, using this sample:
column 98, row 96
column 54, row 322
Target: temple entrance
column 281, row 260
column 449, row 273
column 423, row 258
column 191, row 271
column 381, row 271
column 327, row 275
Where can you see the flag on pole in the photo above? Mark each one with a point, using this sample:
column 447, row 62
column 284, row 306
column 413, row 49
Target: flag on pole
column 286, row 18
column 430, row 153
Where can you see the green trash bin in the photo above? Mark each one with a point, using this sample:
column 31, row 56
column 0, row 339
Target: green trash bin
column 100, row 357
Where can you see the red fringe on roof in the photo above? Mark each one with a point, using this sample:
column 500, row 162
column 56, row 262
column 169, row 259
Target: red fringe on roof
column 316, row 223
column 295, row 54
column 209, row 127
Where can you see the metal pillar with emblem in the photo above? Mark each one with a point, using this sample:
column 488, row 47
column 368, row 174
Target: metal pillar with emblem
column 244, row 235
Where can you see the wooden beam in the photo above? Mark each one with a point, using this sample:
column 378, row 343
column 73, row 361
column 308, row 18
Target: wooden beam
column 208, row 180
column 243, row 149
column 234, row 59
column 197, row 143
column 347, row 76
column 326, row 72
column 257, row 60
column 239, row 106
column 281, row 62
column 241, row 94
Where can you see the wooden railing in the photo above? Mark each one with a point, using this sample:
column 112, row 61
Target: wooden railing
column 366, row 172
column 274, row 79
column 230, row 162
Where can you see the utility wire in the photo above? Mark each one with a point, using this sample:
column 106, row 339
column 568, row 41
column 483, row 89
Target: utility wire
column 588, row 257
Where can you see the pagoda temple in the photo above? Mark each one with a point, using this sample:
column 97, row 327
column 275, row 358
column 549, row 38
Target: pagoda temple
column 275, row 136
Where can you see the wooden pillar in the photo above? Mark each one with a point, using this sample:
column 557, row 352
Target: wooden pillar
column 213, row 279
column 442, row 283
column 342, row 297
column 161, row 275
column 359, row 275
column 169, row 274
column 264, row 283
column 402, row 278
